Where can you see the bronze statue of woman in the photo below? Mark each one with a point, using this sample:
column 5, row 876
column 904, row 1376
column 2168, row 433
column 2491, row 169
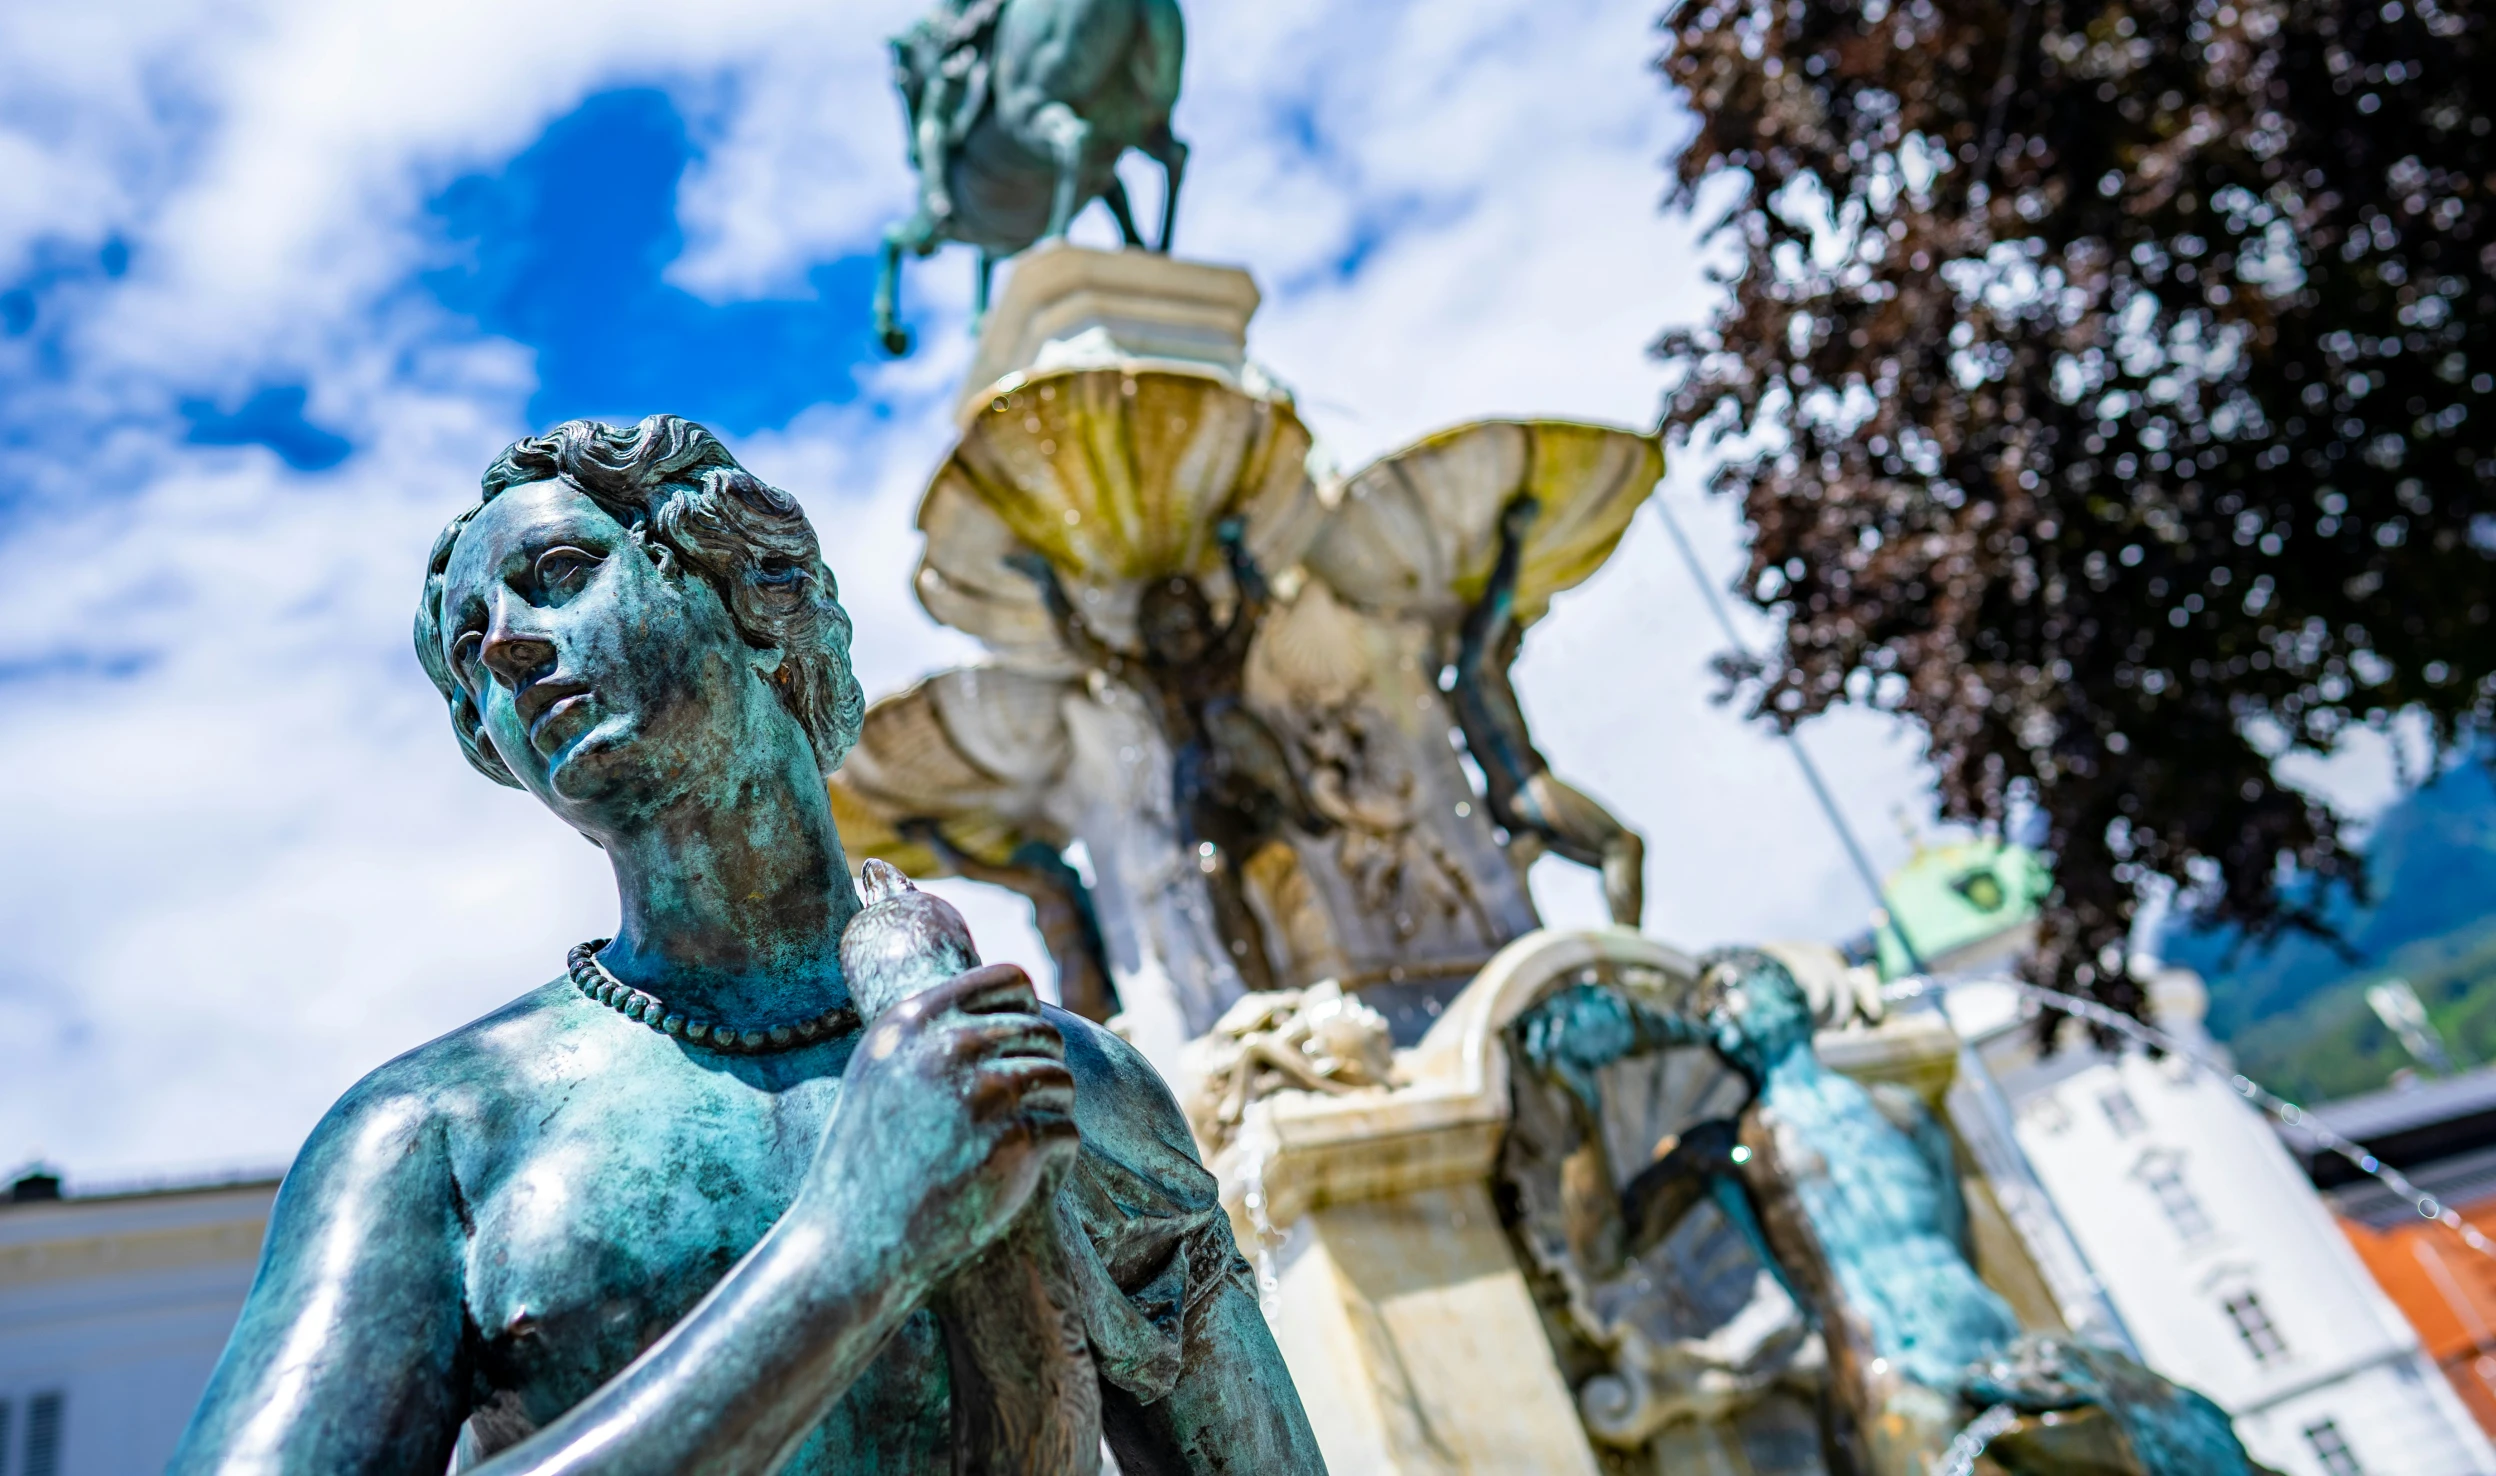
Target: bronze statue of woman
column 674, row 1211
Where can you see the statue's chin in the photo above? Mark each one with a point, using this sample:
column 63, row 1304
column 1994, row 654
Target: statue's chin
column 593, row 766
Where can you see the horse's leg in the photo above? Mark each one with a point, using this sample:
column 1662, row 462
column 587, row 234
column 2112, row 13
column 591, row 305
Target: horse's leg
column 888, row 329
column 979, row 289
column 935, row 201
column 1067, row 137
column 1163, row 148
column 1115, row 197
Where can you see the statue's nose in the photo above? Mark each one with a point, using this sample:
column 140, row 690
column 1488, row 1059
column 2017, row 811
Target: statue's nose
column 517, row 658
column 516, row 647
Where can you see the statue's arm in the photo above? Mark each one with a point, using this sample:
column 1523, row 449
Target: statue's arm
column 1571, row 1036
column 1485, row 702
column 1256, row 597
column 1087, row 647
column 951, row 1111
column 349, row 1354
column 1706, row 1163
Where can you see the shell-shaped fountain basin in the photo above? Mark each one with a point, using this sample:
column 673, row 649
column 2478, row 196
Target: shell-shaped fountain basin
column 1415, row 533
column 975, row 751
column 1119, row 476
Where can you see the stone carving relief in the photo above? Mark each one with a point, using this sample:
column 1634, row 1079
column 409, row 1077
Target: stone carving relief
column 1316, row 1040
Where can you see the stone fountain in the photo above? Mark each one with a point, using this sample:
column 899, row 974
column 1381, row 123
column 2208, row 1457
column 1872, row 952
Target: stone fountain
column 1328, row 946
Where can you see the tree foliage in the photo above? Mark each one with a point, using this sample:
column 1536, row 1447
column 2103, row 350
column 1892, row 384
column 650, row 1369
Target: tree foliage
column 2111, row 387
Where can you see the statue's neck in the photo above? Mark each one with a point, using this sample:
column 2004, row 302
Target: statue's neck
column 1795, row 1068
column 733, row 904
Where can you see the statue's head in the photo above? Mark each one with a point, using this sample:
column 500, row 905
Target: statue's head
column 624, row 611
column 1753, row 1011
column 1175, row 620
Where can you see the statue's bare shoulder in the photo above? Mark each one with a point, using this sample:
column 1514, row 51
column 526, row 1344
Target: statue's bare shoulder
column 467, row 1077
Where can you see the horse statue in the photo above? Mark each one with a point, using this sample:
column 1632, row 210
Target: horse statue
column 1018, row 113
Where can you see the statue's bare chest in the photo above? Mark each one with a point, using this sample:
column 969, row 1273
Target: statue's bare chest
column 610, row 1204
column 1854, row 1176
column 612, row 1195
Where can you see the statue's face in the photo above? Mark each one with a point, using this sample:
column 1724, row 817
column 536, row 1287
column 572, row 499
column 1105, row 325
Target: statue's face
column 1175, row 621
column 1759, row 1017
column 608, row 679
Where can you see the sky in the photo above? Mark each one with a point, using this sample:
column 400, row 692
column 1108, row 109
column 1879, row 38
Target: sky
column 278, row 278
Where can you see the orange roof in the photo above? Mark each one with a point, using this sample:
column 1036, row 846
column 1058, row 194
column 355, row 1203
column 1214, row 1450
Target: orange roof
column 2448, row 1293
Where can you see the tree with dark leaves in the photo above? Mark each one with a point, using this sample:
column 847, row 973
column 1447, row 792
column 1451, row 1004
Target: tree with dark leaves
column 2108, row 387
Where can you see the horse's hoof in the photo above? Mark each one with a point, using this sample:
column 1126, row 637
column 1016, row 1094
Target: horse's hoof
column 896, row 341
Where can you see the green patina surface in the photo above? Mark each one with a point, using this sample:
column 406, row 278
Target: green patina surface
column 591, row 1244
column 1954, row 896
column 1851, row 1197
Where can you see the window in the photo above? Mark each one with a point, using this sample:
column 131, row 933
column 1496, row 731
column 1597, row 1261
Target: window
column 2162, row 1173
column 1982, row 889
column 2332, row 1449
column 2047, row 1114
column 2253, row 1324
column 2122, row 1113
column 43, row 1435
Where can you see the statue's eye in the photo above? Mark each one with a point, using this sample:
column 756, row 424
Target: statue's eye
column 562, row 571
column 777, row 571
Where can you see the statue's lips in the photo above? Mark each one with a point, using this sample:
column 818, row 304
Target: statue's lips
column 559, row 721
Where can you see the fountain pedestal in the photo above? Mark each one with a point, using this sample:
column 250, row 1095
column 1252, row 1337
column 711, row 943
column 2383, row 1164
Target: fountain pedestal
column 1069, row 307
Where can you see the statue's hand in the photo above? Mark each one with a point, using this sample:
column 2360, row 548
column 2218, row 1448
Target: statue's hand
column 1032, row 565
column 954, row 1109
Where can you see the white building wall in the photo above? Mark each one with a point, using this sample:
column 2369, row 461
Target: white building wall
column 120, row 1307
column 2184, row 1201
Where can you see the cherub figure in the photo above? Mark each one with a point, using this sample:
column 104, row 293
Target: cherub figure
column 1525, row 797
column 1233, row 786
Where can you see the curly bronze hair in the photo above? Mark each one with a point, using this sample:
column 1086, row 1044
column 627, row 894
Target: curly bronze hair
column 672, row 482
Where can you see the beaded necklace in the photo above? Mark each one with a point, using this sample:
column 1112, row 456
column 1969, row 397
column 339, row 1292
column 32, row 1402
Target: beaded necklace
column 592, row 979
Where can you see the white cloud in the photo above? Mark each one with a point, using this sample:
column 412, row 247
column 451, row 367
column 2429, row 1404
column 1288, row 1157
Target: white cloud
column 249, row 870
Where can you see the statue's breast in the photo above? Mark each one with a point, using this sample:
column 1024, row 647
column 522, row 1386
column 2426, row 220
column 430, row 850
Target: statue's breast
column 1875, row 1215
column 611, row 1217
column 599, row 1224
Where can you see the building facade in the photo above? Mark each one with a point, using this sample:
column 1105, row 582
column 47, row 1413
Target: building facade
column 113, row 1309
column 2441, row 1133
column 2227, row 1269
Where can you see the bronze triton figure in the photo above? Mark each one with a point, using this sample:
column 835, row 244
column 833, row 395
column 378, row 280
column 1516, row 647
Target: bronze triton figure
column 1525, row 797
column 676, row 1211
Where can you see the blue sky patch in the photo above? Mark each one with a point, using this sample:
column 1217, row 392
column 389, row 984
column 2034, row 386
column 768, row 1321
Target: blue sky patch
column 73, row 665
column 563, row 249
column 272, row 417
column 56, row 263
